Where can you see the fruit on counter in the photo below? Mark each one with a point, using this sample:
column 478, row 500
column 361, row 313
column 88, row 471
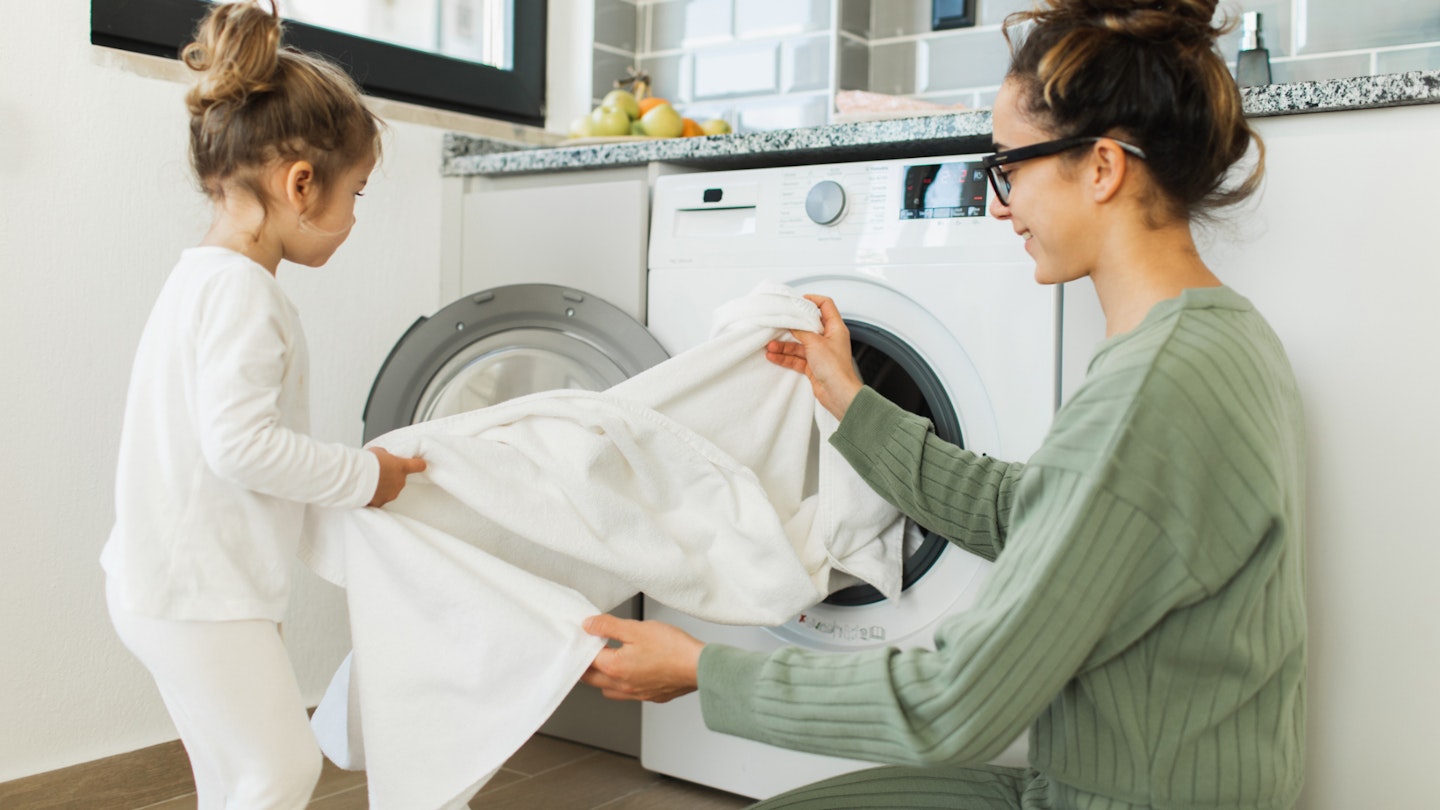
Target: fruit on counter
column 662, row 121
column 635, row 113
column 622, row 100
column 609, row 121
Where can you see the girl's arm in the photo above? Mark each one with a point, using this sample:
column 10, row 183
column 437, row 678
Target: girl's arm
column 243, row 350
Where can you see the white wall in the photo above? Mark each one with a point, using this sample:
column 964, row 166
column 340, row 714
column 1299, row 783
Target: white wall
column 1341, row 257
column 1338, row 254
column 95, row 205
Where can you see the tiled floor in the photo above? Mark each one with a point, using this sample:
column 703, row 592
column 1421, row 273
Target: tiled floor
column 547, row 773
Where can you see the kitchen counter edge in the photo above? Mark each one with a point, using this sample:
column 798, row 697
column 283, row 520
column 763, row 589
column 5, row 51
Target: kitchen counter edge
column 958, row 133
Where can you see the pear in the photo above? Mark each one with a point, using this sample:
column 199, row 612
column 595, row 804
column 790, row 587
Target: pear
column 663, row 121
column 622, row 100
column 716, row 126
column 609, row 121
column 580, row 127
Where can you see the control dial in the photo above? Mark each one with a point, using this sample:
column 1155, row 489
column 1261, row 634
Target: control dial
column 825, row 202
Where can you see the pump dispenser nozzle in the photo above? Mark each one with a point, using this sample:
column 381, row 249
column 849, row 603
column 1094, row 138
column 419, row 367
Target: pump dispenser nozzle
column 1252, row 66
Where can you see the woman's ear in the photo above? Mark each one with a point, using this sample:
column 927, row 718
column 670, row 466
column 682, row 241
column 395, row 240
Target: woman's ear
column 301, row 191
column 1109, row 165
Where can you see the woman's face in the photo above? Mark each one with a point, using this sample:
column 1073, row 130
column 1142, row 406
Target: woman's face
column 1047, row 206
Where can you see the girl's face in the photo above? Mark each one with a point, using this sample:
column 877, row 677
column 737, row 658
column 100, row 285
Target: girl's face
column 316, row 238
column 1047, row 207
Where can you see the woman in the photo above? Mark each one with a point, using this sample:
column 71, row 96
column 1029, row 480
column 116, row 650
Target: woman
column 1145, row 617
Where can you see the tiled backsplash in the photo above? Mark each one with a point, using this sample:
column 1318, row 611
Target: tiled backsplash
column 772, row 64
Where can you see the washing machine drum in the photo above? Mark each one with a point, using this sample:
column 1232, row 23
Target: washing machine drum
column 503, row 343
column 897, row 372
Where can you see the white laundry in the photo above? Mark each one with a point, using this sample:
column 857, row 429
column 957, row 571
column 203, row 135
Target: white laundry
column 705, row 482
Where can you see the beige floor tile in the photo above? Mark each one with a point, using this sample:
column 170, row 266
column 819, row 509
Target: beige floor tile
column 542, row 753
column 673, row 794
column 582, row 784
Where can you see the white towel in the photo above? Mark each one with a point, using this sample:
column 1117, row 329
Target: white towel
column 705, row 482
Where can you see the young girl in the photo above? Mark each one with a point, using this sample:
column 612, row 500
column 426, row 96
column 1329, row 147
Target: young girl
column 215, row 465
column 1145, row 618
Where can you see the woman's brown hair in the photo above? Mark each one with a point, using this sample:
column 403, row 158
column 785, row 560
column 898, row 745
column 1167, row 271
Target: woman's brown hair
column 256, row 101
column 1148, row 72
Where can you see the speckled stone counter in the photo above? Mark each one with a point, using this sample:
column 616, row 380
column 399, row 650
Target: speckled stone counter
column 881, row 140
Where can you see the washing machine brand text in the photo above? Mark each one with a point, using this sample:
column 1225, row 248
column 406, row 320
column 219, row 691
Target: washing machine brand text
column 843, row 632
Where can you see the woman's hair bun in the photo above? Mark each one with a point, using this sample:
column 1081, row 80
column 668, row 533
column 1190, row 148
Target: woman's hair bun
column 1144, row 19
column 236, row 52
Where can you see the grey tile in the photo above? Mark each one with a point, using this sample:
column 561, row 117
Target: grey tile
column 893, row 68
column 607, row 67
column 994, row 12
column 854, row 71
column 784, row 113
column 668, row 77
column 677, row 24
column 1407, row 60
column 1334, row 25
column 1320, row 69
column 805, row 64
column 733, row 70
column 766, row 18
column 855, row 17
column 962, row 59
column 898, row 18
column 616, row 24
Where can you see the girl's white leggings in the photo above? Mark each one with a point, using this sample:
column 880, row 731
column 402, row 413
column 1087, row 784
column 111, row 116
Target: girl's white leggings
column 232, row 693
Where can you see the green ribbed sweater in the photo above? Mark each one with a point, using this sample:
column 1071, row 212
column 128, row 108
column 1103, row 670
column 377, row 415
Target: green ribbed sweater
column 1145, row 617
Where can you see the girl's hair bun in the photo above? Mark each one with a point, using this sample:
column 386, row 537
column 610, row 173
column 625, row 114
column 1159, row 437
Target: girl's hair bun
column 236, row 52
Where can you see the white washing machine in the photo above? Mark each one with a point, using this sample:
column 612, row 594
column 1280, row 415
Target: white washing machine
column 946, row 320
column 542, row 308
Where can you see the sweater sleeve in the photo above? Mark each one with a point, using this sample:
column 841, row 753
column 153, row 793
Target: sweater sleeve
column 242, row 357
column 963, row 496
column 1083, row 576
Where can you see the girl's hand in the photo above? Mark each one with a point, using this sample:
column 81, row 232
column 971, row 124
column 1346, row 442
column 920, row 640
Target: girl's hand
column 822, row 356
column 393, row 471
column 655, row 662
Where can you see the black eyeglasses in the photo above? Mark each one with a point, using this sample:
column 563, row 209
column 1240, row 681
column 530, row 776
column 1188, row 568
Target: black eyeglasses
column 993, row 163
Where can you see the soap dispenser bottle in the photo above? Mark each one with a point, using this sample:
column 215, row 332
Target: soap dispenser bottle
column 1252, row 66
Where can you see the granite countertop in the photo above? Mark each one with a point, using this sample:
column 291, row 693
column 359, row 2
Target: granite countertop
column 920, row 136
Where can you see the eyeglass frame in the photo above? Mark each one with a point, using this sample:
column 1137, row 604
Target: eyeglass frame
column 991, row 163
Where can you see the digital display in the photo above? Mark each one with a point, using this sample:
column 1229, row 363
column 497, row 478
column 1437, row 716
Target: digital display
column 943, row 191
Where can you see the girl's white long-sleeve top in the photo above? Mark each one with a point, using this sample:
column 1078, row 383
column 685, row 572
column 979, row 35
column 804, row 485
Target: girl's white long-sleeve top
column 216, row 464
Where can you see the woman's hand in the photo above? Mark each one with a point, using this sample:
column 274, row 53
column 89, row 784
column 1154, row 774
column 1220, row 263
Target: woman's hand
column 393, row 472
column 822, row 356
column 655, row 661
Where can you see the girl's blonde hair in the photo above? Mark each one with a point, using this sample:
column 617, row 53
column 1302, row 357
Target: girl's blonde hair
column 1147, row 71
column 256, row 101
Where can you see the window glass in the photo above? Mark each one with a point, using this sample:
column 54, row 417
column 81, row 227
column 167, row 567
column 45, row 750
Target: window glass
column 473, row 30
column 485, row 57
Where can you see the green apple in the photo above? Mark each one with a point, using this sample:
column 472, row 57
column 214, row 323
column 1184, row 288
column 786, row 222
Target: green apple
column 622, row 100
column 637, row 128
column 715, row 126
column 608, row 121
column 580, row 127
column 662, row 121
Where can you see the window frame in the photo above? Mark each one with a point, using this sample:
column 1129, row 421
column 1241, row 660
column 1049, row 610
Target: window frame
column 163, row 27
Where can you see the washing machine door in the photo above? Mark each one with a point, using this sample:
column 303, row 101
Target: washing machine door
column 503, row 343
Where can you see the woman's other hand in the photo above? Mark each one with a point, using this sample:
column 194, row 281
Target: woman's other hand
column 655, row 661
column 822, row 356
column 393, row 473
